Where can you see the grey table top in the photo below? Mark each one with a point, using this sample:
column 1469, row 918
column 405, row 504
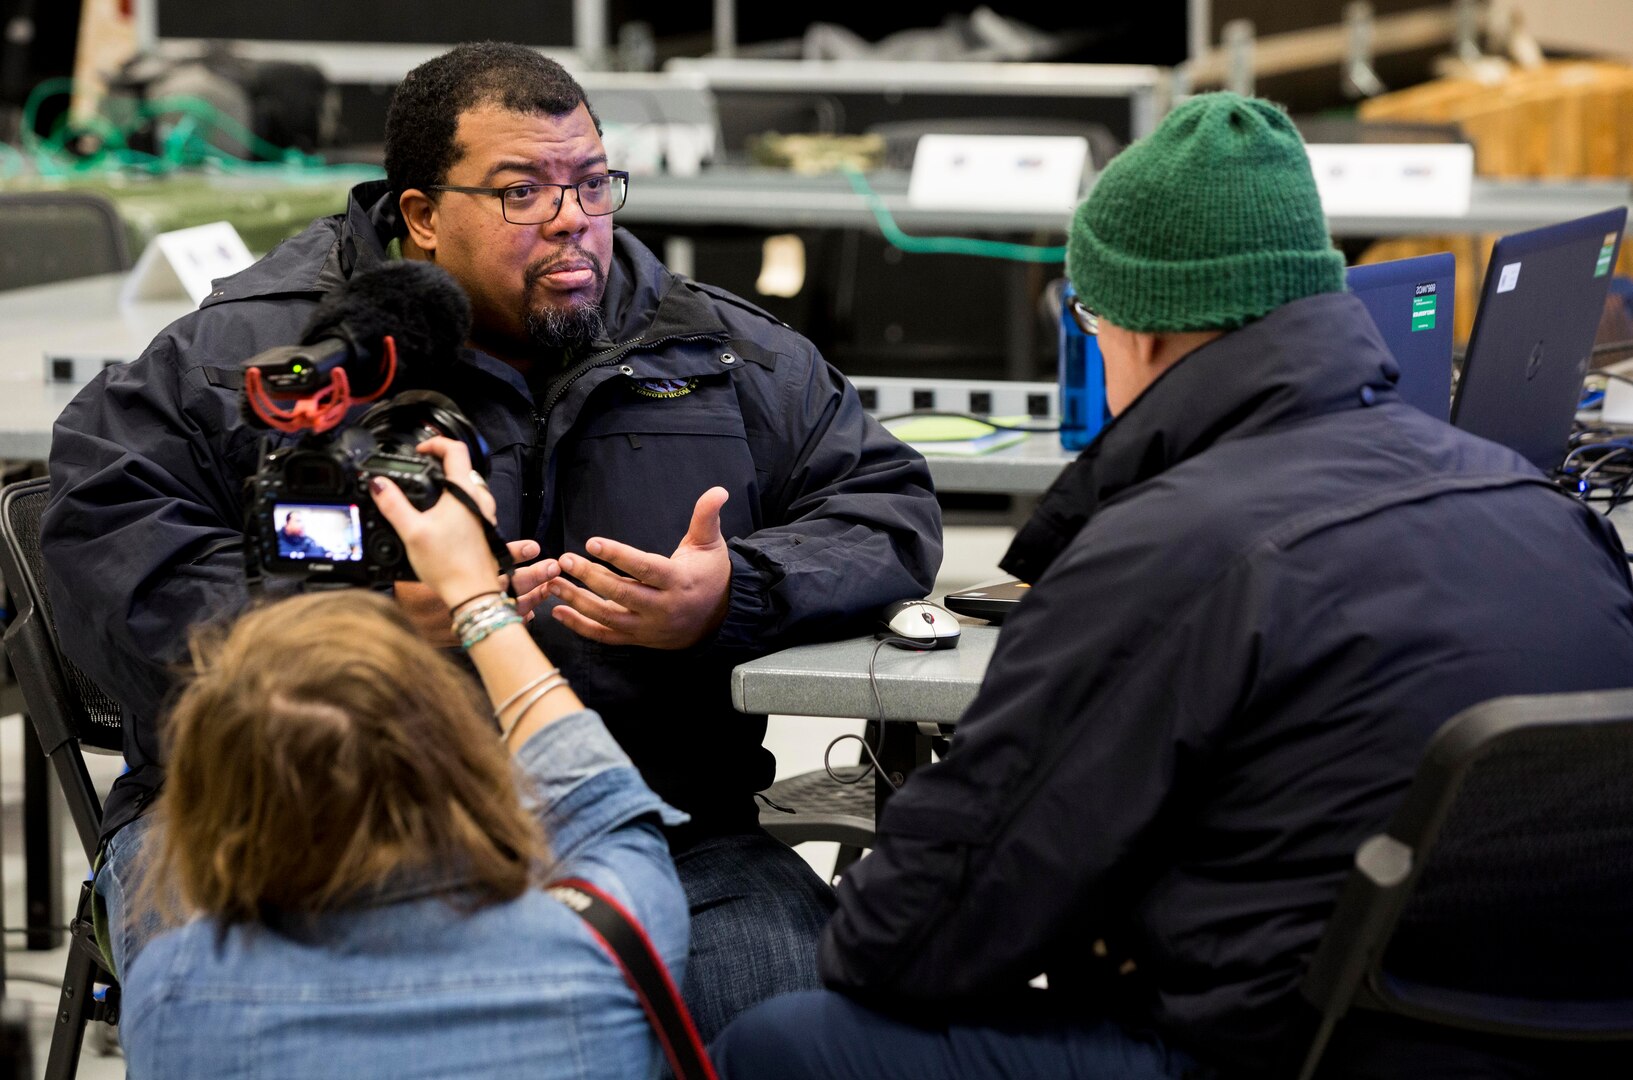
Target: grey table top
column 1025, row 468
column 82, row 319
column 831, row 679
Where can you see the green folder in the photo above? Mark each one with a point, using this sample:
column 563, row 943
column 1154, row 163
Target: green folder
column 963, row 436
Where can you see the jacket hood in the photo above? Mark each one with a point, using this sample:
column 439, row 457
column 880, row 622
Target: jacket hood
column 320, row 258
column 1314, row 356
column 645, row 300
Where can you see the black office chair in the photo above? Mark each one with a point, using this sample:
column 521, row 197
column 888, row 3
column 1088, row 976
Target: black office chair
column 1498, row 900
column 814, row 806
column 69, row 713
column 48, row 236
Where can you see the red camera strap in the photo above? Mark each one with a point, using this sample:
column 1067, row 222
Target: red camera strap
column 621, row 935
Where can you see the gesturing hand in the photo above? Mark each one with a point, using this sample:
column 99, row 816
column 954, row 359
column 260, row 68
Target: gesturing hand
column 664, row 603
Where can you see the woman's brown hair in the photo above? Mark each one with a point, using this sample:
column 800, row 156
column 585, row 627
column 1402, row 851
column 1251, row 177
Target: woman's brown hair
column 321, row 747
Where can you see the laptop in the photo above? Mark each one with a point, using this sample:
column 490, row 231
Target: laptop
column 1411, row 302
column 1533, row 335
column 992, row 602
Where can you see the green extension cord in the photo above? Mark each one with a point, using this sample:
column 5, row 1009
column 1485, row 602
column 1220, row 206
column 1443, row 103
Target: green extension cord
column 186, row 146
column 946, row 245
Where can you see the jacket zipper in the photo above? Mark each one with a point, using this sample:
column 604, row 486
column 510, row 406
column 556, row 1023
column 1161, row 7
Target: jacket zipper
column 533, row 483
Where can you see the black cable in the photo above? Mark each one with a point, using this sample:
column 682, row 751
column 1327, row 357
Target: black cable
column 879, row 710
column 971, row 416
column 1608, row 375
column 873, row 767
column 1587, row 476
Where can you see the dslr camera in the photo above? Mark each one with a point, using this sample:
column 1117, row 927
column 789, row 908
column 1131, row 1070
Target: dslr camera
column 311, row 513
column 308, row 509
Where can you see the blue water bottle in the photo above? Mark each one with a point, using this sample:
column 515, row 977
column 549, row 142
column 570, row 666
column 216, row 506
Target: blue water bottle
column 1082, row 380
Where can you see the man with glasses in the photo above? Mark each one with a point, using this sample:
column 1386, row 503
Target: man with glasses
column 701, row 484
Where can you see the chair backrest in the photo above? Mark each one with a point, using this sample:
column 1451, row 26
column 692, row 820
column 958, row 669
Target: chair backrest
column 63, row 703
column 48, row 236
column 1498, row 899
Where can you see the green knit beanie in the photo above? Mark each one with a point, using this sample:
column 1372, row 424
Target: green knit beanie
column 1208, row 223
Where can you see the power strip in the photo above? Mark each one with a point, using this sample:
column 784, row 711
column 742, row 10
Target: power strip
column 72, row 370
column 889, row 396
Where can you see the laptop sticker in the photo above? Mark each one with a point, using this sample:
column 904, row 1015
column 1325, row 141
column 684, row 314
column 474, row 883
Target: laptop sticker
column 1423, row 307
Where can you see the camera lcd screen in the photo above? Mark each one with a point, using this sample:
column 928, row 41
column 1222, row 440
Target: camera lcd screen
column 308, row 531
column 405, row 465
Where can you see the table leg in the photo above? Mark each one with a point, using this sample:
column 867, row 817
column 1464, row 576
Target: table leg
column 902, row 748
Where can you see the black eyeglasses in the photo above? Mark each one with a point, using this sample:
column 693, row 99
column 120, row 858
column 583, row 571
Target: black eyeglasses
column 1087, row 321
column 538, row 204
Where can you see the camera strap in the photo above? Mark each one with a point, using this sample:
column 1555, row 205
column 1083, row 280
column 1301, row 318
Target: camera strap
column 496, row 543
column 622, row 936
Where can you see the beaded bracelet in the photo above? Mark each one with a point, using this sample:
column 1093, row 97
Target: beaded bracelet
column 554, row 684
column 480, row 633
column 473, row 632
column 477, row 606
column 499, row 709
column 481, row 613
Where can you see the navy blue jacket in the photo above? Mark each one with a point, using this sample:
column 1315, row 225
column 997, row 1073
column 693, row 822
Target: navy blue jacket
column 1256, row 597
column 829, row 517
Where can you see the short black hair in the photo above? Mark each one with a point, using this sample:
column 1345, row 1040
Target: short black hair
column 425, row 108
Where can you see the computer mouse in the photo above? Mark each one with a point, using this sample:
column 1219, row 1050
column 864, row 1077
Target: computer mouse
column 921, row 622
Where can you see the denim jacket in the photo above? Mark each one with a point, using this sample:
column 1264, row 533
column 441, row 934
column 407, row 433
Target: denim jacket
column 410, row 985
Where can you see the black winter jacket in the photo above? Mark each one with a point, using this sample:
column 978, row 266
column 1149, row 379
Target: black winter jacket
column 1256, row 597
column 829, row 515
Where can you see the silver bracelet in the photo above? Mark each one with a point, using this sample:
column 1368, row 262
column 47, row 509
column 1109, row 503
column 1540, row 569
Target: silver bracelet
column 478, row 614
column 476, row 634
column 554, row 684
column 499, row 709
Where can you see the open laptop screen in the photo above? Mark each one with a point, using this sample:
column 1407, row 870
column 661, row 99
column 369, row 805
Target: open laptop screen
column 1410, row 300
column 1533, row 335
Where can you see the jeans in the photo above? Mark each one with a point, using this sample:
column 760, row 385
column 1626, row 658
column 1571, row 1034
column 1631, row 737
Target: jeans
column 757, row 912
column 822, row 1034
column 123, row 924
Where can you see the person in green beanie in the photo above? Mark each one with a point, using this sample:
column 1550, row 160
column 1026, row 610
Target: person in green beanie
column 1256, row 596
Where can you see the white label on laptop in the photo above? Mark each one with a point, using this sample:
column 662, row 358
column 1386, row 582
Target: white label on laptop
column 185, row 262
column 1508, row 278
column 1393, row 180
column 978, row 172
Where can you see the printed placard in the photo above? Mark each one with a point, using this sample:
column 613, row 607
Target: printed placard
column 185, row 262
column 1509, row 278
column 1607, row 255
column 1393, row 180
column 1018, row 172
column 1424, row 300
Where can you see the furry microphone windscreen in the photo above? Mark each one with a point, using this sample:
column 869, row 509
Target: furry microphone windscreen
column 417, row 303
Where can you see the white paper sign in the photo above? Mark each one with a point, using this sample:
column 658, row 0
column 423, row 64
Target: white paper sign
column 1394, row 180
column 185, row 262
column 979, row 172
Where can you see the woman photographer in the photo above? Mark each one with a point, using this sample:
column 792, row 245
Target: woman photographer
column 364, row 859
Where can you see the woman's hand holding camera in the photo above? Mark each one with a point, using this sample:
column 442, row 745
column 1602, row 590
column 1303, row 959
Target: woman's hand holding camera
column 449, row 552
column 445, row 544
